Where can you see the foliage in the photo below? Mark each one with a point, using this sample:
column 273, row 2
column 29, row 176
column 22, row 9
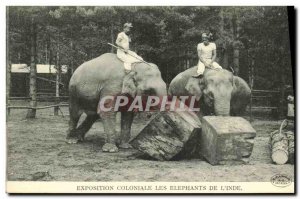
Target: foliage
column 167, row 36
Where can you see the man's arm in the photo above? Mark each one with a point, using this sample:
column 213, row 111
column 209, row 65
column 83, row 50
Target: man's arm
column 214, row 55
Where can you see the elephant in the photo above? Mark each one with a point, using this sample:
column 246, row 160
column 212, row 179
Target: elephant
column 219, row 92
column 103, row 76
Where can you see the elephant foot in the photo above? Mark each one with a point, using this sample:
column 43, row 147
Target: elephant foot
column 111, row 148
column 72, row 140
column 125, row 145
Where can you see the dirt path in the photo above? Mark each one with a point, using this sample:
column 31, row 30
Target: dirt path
column 37, row 151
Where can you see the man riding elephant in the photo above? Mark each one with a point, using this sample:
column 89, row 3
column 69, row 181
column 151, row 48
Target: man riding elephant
column 124, row 53
column 207, row 53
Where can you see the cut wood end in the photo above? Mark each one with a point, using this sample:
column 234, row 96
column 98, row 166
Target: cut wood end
column 280, row 157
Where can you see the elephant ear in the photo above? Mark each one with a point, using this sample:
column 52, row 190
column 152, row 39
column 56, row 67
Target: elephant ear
column 193, row 87
column 129, row 84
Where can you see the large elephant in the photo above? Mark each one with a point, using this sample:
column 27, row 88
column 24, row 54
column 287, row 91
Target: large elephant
column 219, row 91
column 102, row 77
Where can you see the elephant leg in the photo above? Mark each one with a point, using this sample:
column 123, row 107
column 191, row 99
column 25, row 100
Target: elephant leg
column 75, row 114
column 118, row 128
column 85, row 126
column 126, row 122
column 109, row 123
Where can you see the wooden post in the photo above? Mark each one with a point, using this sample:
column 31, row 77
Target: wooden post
column 225, row 59
column 8, row 65
column 8, row 81
column 112, row 36
column 236, row 59
column 251, row 81
column 236, row 45
column 31, row 113
column 72, row 60
column 282, row 97
column 58, row 74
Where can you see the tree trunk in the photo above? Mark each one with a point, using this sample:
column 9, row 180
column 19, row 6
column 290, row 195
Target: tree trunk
column 236, row 51
column 8, row 65
column 226, row 140
column 236, row 60
column 72, row 62
column 168, row 135
column 225, row 59
column 58, row 74
column 112, row 36
column 32, row 90
column 251, row 81
column 8, row 80
column 283, row 102
column 279, row 147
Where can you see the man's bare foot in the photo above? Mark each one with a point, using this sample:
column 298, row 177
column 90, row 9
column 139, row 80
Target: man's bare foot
column 198, row 76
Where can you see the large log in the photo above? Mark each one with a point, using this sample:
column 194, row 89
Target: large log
column 166, row 135
column 226, row 140
column 279, row 147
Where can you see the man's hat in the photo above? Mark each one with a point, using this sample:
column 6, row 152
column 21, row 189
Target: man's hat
column 128, row 25
column 204, row 35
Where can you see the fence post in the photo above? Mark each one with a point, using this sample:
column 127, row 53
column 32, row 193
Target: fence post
column 58, row 71
column 251, row 81
column 8, row 83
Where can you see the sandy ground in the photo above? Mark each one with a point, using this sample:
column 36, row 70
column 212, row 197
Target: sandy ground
column 36, row 150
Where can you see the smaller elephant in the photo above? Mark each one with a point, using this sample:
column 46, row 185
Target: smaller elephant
column 219, row 92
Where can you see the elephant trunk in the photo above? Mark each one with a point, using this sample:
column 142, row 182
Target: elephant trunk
column 222, row 106
column 160, row 89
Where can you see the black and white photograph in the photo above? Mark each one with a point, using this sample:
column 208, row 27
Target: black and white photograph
column 150, row 99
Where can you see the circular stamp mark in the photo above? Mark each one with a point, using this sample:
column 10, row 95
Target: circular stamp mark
column 281, row 180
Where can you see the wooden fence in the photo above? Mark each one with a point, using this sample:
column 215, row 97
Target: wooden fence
column 260, row 100
column 56, row 106
column 265, row 100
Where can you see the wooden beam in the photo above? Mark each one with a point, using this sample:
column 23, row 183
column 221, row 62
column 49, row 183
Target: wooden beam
column 41, row 107
column 48, row 80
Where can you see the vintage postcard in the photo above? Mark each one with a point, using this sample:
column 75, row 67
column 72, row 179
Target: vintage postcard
column 150, row 99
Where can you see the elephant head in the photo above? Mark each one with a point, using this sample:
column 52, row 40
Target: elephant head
column 214, row 89
column 144, row 79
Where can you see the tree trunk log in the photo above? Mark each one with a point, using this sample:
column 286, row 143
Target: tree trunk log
column 236, row 60
column 58, row 71
column 8, row 82
column 167, row 134
column 226, row 140
column 31, row 113
column 8, row 65
column 279, row 147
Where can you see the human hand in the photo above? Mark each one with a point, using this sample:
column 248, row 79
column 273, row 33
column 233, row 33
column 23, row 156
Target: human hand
column 207, row 64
